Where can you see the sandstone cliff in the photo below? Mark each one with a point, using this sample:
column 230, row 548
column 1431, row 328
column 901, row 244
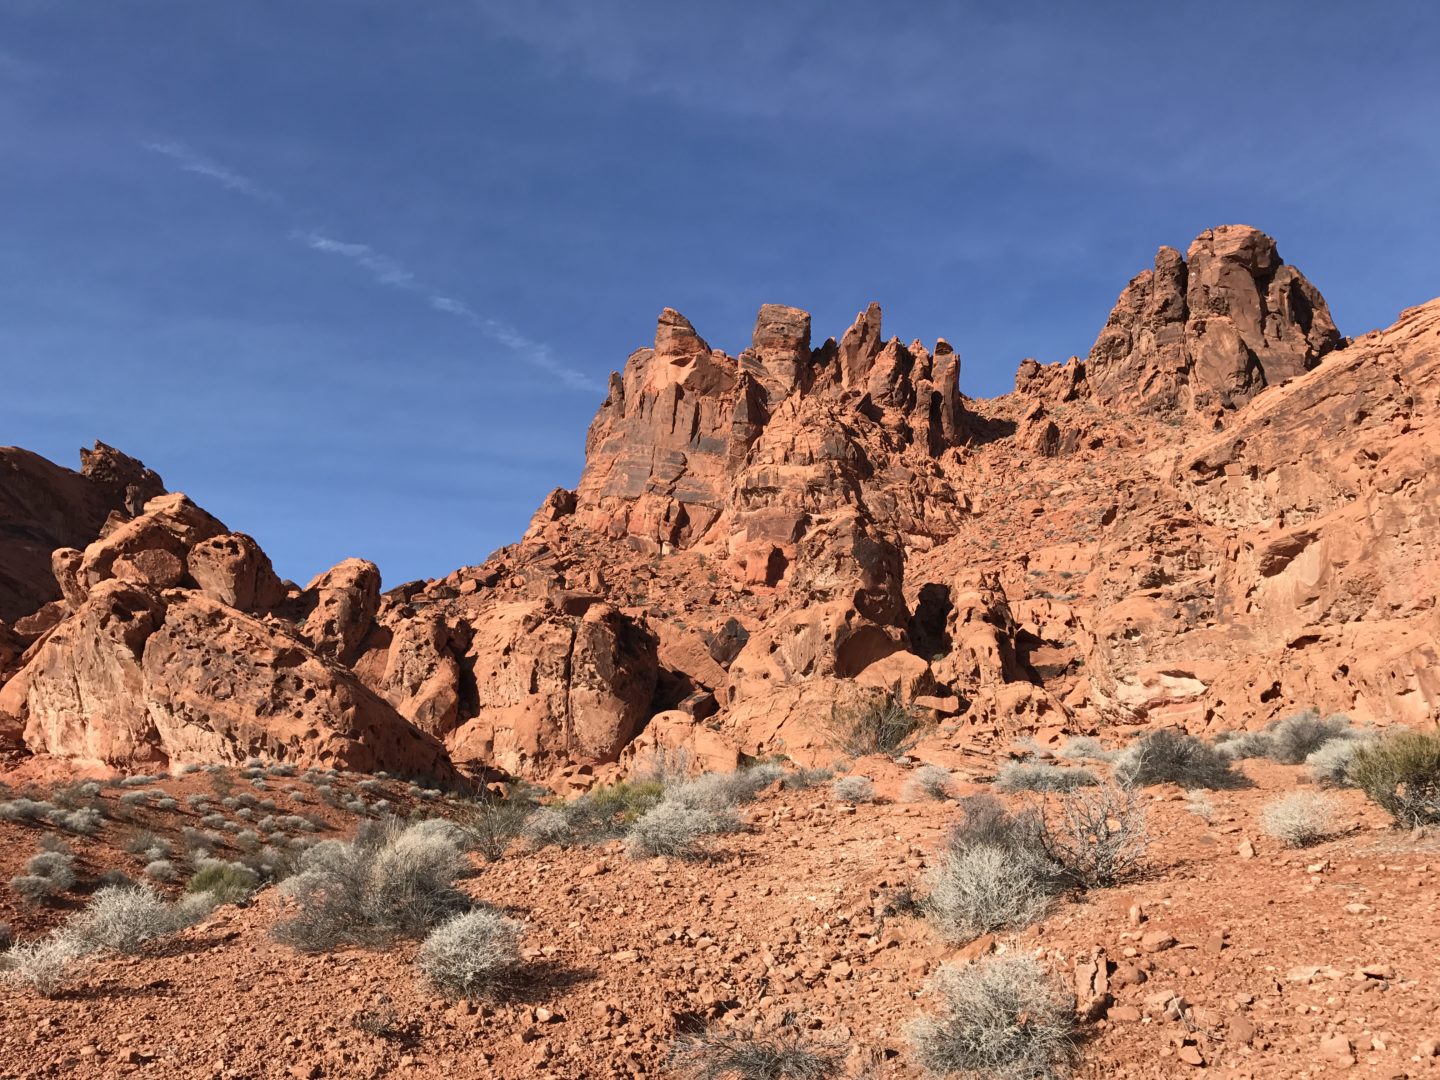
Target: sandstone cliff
column 1224, row 513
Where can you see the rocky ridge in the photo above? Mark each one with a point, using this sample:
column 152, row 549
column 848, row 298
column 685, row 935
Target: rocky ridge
column 1223, row 513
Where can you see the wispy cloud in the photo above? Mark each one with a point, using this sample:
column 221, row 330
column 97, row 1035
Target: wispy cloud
column 383, row 269
column 189, row 161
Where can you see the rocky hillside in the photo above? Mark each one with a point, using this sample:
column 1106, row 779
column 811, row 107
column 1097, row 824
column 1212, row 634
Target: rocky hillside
column 1224, row 512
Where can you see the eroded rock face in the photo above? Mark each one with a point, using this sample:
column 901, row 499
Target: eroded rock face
column 44, row 507
column 137, row 678
column 1209, row 331
column 345, row 599
column 553, row 687
column 232, row 569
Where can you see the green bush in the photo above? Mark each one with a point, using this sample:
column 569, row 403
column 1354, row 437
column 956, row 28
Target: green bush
column 225, row 882
column 1401, row 772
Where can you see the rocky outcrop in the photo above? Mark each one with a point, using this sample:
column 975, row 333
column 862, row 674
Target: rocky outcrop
column 343, row 601
column 44, row 507
column 1209, row 331
column 1297, row 564
column 156, row 657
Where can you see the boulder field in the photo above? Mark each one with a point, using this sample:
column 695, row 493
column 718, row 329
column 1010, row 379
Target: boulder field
column 1223, row 513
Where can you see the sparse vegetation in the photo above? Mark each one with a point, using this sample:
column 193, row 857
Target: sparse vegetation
column 788, row 1054
column 875, row 723
column 474, row 954
column 674, row 827
column 45, row 966
column 126, row 918
column 853, row 790
column 225, row 882
column 928, row 782
column 1330, row 764
column 1002, row 1018
column 493, row 823
column 1169, row 757
column 1038, row 776
column 1097, row 838
column 391, row 881
column 602, row 813
column 1200, row 804
column 1296, row 737
column 1401, row 773
column 1299, row 819
column 1085, row 748
column 983, row 888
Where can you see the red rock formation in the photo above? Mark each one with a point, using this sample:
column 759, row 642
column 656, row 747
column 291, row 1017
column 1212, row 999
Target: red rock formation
column 44, row 507
column 1210, row 333
column 757, row 538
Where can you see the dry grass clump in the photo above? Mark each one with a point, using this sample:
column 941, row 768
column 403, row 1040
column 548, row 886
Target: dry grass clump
column 983, row 888
column 676, row 828
column 788, row 1054
column 875, row 723
column 391, row 881
column 474, row 954
column 928, row 782
column 853, row 790
column 1038, row 776
column 602, row 813
column 1299, row 819
column 491, row 824
column 1169, row 757
column 1002, row 1018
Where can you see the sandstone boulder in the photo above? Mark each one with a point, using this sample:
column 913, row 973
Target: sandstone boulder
column 345, row 599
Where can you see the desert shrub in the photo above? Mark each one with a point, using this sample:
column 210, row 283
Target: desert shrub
column 134, row 799
column 284, row 768
column 165, row 802
column 1401, row 772
column 602, row 813
column 876, row 723
column 805, row 779
column 138, row 780
column 928, row 782
column 138, row 842
column 1037, row 776
column 45, row 966
column 390, row 881
column 983, row 888
column 1084, row 748
column 115, row 876
column 26, row 811
column 57, row 866
column 1097, row 838
column 1299, row 819
column 719, row 792
column 674, row 827
column 214, row 821
column 1200, row 804
column 1168, row 757
column 34, row 888
column 493, row 823
column 248, row 839
column 1002, row 1018
column 161, row 870
column 185, row 769
column 58, row 844
column 125, row 918
column 1297, row 737
column 224, row 882
column 1330, row 764
column 474, row 954
column 984, row 821
column 789, row 1054
column 853, row 789
column 1244, row 744
column 86, row 821
column 76, row 796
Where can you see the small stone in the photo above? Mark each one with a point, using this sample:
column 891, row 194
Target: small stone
column 1157, row 941
column 1190, row 1055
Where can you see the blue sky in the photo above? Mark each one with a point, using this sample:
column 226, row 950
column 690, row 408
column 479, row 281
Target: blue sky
column 353, row 274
